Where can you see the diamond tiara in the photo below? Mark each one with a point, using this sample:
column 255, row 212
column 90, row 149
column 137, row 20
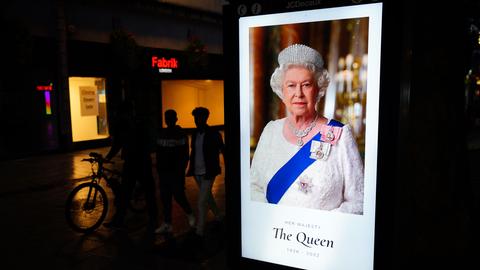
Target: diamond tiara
column 298, row 54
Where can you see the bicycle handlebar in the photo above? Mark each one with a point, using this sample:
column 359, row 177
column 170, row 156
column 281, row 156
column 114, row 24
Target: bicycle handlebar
column 96, row 157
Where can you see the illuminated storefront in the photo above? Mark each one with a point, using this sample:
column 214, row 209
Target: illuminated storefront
column 187, row 81
column 117, row 50
column 184, row 95
column 88, row 108
column 78, row 113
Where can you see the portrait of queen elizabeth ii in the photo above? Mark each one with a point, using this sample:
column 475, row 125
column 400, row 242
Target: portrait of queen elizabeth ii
column 305, row 159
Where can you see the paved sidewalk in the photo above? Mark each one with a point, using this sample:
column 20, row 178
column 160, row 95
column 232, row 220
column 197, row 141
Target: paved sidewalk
column 32, row 194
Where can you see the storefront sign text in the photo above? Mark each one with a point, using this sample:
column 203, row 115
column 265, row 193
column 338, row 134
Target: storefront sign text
column 164, row 65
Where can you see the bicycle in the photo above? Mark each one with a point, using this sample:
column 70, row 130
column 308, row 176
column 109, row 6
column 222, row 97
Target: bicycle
column 87, row 204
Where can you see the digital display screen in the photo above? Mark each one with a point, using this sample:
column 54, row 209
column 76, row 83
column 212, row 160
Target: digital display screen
column 309, row 107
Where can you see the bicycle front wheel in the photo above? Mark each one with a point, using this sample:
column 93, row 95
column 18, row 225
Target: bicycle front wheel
column 86, row 207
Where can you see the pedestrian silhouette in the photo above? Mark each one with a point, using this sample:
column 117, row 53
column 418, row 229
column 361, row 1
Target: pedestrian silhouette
column 207, row 144
column 132, row 137
column 171, row 161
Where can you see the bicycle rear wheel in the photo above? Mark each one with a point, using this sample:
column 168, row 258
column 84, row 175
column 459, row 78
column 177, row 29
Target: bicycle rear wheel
column 86, row 207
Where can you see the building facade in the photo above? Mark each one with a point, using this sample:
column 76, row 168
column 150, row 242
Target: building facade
column 72, row 63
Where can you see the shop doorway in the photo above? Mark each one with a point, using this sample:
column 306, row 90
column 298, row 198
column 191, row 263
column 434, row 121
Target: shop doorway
column 185, row 95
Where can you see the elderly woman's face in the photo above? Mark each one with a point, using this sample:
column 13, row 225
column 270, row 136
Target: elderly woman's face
column 299, row 91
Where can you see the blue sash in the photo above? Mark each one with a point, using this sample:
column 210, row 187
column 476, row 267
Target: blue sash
column 288, row 173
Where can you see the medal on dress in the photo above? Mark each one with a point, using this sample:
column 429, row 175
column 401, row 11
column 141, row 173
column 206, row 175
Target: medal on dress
column 319, row 150
column 330, row 136
column 305, row 184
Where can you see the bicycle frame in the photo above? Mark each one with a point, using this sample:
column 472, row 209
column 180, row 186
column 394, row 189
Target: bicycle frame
column 96, row 178
column 99, row 173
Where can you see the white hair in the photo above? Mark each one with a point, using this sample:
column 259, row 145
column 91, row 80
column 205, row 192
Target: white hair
column 299, row 55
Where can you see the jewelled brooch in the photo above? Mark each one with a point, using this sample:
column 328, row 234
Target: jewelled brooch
column 305, row 184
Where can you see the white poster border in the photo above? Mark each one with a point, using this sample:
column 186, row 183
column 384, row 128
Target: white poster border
column 273, row 233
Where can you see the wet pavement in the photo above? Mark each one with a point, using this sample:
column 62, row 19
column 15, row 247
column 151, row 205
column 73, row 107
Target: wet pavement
column 35, row 235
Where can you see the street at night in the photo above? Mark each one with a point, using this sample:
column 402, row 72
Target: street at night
column 36, row 235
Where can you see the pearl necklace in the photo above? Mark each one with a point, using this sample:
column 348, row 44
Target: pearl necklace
column 300, row 133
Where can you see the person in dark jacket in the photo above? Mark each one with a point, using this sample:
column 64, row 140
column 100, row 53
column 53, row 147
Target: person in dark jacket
column 207, row 144
column 133, row 137
column 171, row 161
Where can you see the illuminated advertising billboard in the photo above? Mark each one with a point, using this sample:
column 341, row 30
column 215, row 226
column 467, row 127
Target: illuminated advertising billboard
column 309, row 86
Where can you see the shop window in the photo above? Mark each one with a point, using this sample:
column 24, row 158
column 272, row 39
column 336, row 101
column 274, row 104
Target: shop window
column 184, row 95
column 88, row 108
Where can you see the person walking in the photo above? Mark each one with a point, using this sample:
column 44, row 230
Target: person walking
column 204, row 166
column 133, row 138
column 171, row 163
